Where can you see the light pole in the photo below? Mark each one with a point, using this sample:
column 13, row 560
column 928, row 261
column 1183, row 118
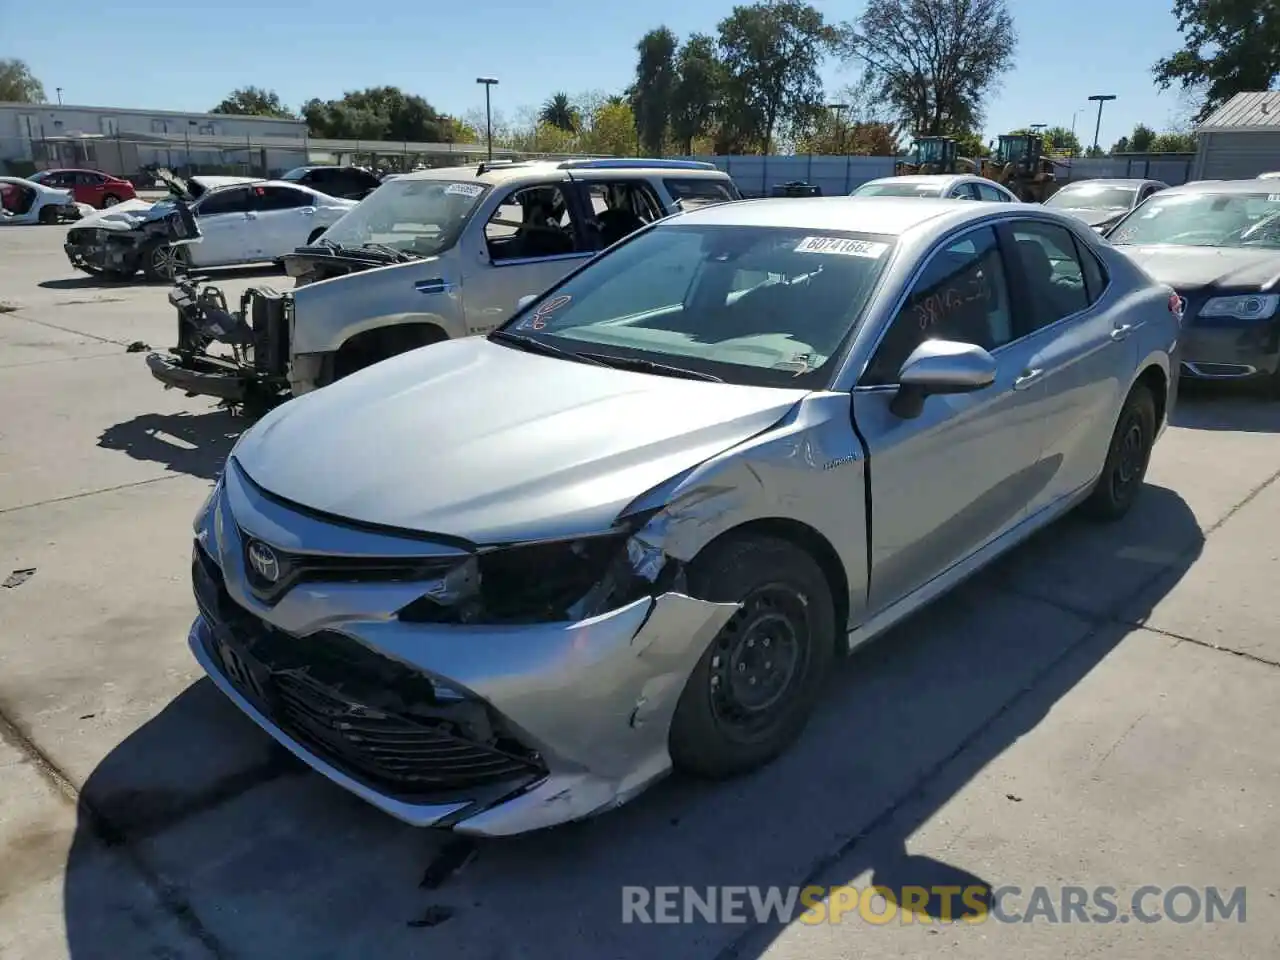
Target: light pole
column 839, row 108
column 1101, row 98
column 488, row 113
column 59, row 89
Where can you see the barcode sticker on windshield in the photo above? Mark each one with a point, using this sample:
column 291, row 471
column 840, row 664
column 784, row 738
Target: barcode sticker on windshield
column 842, row 246
column 465, row 189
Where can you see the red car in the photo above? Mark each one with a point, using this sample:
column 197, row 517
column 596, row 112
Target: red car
column 97, row 189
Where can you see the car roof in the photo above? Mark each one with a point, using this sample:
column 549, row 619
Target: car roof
column 501, row 172
column 891, row 216
column 941, row 179
column 1111, row 182
column 1221, row 187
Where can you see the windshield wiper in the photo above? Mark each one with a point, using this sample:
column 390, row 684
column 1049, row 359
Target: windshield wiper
column 531, row 345
column 392, row 252
column 650, row 366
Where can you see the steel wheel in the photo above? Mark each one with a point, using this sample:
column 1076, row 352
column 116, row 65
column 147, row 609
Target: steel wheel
column 758, row 657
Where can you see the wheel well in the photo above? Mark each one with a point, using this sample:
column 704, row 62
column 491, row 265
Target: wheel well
column 1154, row 379
column 318, row 232
column 370, row 346
column 817, row 546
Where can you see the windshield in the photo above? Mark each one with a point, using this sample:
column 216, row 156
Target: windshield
column 1204, row 220
column 898, row 190
column 1093, row 198
column 422, row 217
column 767, row 306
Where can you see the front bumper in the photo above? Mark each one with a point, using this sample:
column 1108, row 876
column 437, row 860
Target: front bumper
column 1230, row 350
column 98, row 250
column 580, row 711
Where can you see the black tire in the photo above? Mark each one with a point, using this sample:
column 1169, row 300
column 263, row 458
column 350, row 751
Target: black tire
column 717, row 730
column 354, row 357
column 155, row 258
column 1128, row 455
column 110, row 200
column 315, row 235
column 48, row 216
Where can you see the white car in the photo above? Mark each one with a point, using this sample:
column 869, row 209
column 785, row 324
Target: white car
column 947, row 186
column 25, row 201
column 240, row 220
column 1273, row 175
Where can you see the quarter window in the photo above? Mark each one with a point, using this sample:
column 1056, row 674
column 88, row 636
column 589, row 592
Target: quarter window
column 694, row 192
column 961, row 295
column 1052, row 272
column 991, row 194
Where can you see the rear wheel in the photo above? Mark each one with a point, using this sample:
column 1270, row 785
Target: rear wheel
column 1125, row 468
column 110, row 200
column 752, row 691
column 48, row 215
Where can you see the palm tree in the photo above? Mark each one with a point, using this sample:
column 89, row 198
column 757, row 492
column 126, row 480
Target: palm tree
column 560, row 112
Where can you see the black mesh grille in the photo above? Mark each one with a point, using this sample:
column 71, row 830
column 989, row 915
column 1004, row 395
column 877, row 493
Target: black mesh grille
column 373, row 718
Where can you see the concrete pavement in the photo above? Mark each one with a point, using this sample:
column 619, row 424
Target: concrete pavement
column 1094, row 710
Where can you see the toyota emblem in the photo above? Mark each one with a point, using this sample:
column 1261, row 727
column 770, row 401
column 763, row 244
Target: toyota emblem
column 264, row 562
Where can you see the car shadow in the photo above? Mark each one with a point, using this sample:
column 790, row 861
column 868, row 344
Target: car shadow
column 264, row 858
column 87, row 281
column 1225, row 406
column 192, row 443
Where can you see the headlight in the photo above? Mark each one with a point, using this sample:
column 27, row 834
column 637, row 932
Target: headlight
column 1251, row 306
column 202, row 515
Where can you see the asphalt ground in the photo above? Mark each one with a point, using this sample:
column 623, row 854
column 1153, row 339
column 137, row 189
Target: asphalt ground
column 1096, row 711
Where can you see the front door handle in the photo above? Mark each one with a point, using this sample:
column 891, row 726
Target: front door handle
column 1027, row 379
column 308, row 211
column 1121, row 331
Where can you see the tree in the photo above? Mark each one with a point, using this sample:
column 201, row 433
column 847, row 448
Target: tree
column 838, row 137
column 1174, row 143
column 1061, row 140
column 254, row 102
column 612, row 131
column 560, row 113
column 1141, row 139
column 698, row 88
column 376, row 113
column 17, row 84
column 460, row 131
column 969, row 143
column 934, row 60
column 771, row 53
column 1229, row 47
column 651, row 92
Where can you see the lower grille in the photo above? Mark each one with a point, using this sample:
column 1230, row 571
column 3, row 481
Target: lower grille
column 394, row 751
column 370, row 717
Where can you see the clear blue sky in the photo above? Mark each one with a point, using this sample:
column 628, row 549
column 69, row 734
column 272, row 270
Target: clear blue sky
column 157, row 54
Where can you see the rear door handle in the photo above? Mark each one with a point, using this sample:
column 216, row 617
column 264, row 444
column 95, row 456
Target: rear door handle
column 1121, row 331
column 1027, row 379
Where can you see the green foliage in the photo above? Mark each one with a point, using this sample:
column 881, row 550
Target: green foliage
column 655, row 80
column 560, row 113
column 696, row 98
column 18, row 84
column 254, row 102
column 771, row 53
column 1229, row 47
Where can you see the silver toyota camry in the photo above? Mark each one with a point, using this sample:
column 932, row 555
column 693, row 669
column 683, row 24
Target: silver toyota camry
column 501, row 583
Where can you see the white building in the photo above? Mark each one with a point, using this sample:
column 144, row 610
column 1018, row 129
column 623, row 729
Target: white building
column 122, row 140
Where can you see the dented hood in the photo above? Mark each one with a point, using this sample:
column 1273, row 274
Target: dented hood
column 126, row 215
column 478, row 440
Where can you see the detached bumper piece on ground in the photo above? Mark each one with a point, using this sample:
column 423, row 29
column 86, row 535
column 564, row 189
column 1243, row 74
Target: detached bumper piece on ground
column 253, row 374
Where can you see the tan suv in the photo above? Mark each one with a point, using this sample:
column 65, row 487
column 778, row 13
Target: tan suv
column 432, row 255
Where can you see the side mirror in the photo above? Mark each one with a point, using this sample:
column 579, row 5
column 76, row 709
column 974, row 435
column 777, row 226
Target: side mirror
column 524, row 301
column 941, row 367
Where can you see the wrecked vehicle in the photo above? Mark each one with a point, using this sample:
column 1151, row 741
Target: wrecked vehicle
column 510, row 581
column 26, row 201
column 458, row 248
column 242, row 220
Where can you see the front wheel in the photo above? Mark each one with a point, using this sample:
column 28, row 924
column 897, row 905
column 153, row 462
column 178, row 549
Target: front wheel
column 110, row 200
column 315, row 235
column 1125, row 469
column 752, row 691
column 161, row 262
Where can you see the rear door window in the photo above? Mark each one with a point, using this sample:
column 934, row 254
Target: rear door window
column 278, row 198
column 990, row 194
column 1051, row 269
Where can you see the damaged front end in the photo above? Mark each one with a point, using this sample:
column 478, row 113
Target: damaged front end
column 251, row 373
column 491, row 690
column 115, row 243
column 324, row 261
